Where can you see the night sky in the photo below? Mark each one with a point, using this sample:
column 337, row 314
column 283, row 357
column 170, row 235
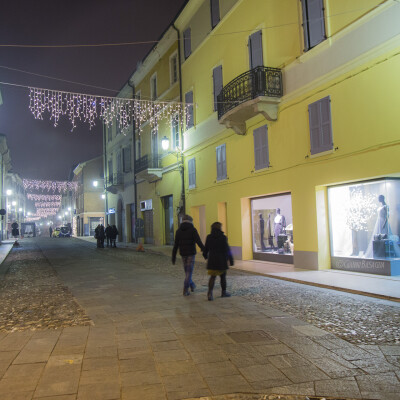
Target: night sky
column 38, row 150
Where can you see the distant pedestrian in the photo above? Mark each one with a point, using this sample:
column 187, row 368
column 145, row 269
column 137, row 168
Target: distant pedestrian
column 107, row 231
column 99, row 235
column 113, row 237
column 186, row 238
column 51, row 231
column 15, row 229
column 218, row 253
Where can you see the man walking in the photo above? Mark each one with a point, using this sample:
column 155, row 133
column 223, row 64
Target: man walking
column 186, row 238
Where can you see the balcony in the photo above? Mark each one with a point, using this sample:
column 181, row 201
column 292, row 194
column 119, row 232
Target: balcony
column 257, row 91
column 114, row 182
column 148, row 167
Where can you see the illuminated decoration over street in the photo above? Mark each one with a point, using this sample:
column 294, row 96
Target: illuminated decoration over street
column 360, row 210
column 47, row 204
column 45, row 212
column 43, row 197
column 32, row 219
column 54, row 186
column 87, row 108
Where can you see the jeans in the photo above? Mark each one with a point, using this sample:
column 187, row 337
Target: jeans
column 188, row 266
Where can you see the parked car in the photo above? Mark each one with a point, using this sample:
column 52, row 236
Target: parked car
column 62, row 231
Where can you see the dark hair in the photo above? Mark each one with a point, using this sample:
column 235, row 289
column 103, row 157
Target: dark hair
column 217, row 226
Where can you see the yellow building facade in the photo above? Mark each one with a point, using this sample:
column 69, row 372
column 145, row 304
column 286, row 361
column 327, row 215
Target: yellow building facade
column 298, row 154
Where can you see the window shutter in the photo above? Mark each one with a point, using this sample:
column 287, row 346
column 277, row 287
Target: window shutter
column 255, row 49
column 187, row 45
column 192, row 173
column 127, row 159
column 320, row 126
column 326, row 140
column 221, row 162
column 316, row 23
column 110, row 168
column 261, row 151
column 217, row 79
column 190, row 118
column 305, row 24
column 215, row 18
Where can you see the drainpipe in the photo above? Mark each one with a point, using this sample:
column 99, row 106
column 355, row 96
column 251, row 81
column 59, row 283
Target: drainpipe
column 181, row 169
column 134, row 161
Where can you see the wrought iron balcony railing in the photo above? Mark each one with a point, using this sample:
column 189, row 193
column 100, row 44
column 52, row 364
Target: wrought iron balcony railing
column 146, row 162
column 260, row 81
column 115, row 179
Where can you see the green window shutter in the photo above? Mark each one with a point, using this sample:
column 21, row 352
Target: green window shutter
column 192, row 173
column 217, row 83
column 255, row 50
column 320, row 126
column 215, row 17
column 221, row 162
column 261, row 151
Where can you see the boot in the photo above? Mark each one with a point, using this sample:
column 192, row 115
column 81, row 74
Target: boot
column 210, row 288
column 192, row 286
column 225, row 294
column 186, row 292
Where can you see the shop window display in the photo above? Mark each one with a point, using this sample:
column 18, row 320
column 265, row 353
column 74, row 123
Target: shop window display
column 364, row 220
column 272, row 225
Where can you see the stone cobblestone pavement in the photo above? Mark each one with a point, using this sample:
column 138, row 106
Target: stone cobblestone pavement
column 147, row 341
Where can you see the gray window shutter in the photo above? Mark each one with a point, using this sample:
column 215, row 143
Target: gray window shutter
column 192, row 173
column 261, row 151
column 110, row 168
column 217, row 79
column 187, row 43
column 221, row 162
column 255, row 50
column 313, row 22
column 127, row 159
column 305, row 24
column 189, row 100
column 320, row 126
column 215, row 18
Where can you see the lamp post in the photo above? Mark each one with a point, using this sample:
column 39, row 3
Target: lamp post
column 9, row 193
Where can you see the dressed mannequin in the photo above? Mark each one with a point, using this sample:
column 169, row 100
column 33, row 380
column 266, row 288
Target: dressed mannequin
column 280, row 224
column 262, row 224
column 383, row 216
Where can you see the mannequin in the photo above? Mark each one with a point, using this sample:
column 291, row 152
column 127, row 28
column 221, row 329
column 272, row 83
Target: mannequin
column 280, row 224
column 383, row 216
column 262, row 233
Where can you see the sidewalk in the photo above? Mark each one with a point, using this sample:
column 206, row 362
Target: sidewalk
column 385, row 287
column 5, row 248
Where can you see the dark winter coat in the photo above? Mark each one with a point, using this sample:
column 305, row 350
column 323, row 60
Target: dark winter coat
column 113, row 232
column 186, row 238
column 217, row 251
column 99, row 232
column 107, row 231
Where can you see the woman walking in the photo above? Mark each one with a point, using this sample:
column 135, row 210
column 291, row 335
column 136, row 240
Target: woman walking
column 218, row 253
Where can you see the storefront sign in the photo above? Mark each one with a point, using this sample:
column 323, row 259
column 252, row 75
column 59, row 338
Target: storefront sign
column 368, row 266
column 111, row 211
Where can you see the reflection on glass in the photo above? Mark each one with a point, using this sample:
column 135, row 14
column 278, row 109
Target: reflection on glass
column 272, row 225
column 364, row 219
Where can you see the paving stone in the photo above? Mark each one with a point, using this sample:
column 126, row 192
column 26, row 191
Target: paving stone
column 99, row 391
column 177, row 368
column 171, row 355
column 138, row 378
column 95, row 352
column 335, row 369
column 306, row 389
column 165, row 346
column 375, row 365
column 20, row 396
column 308, row 374
column 228, row 384
column 25, row 370
column 288, row 360
column 208, row 357
column 337, row 388
column 390, row 350
column 222, row 368
column 141, row 362
column 183, row 383
column 16, row 384
column 384, row 383
column 144, row 392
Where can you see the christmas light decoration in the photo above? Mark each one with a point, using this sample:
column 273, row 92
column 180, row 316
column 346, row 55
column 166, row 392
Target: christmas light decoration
column 45, row 212
column 43, row 197
column 47, row 204
column 32, row 219
column 361, row 208
column 55, row 186
column 87, row 108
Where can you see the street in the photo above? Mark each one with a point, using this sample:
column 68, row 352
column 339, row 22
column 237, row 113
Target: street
column 79, row 322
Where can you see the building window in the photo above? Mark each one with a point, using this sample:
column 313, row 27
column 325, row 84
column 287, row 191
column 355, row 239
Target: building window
column 138, row 148
column 313, row 22
column 110, row 169
column 187, row 43
column 215, row 18
column 189, row 110
column 153, row 87
column 127, row 159
column 217, row 83
column 175, row 130
column 173, row 68
column 192, row 173
column 119, row 162
column 319, row 114
column 261, row 153
column 109, row 131
column 221, row 162
column 255, row 50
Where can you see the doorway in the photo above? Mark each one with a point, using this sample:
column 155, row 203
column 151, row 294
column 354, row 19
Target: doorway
column 168, row 219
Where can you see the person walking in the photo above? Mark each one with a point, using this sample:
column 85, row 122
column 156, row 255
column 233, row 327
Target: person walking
column 51, row 231
column 107, row 231
column 99, row 235
column 113, row 237
column 186, row 238
column 217, row 252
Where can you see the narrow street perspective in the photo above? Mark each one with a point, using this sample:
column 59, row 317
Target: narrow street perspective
column 79, row 322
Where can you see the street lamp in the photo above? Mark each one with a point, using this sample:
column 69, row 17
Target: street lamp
column 95, row 183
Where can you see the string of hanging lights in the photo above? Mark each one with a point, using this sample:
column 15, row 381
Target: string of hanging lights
column 44, row 197
column 87, row 108
column 54, row 186
column 48, row 204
